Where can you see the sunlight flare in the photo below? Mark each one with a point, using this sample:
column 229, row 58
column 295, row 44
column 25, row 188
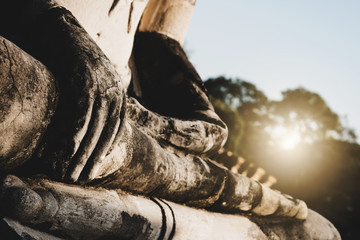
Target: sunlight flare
column 290, row 140
column 285, row 138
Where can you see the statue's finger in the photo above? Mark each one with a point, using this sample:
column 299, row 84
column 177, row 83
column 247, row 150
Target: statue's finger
column 10, row 181
column 98, row 157
column 66, row 133
column 18, row 201
column 96, row 126
column 81, row 122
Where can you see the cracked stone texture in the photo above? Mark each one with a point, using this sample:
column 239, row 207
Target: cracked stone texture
column 152, row 182
column 113, row 30
column 88, row 213
column 160, row 169
column 27, row 100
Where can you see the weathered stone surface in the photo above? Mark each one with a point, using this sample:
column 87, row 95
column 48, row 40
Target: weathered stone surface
column 196, row 136
column 314, row 227
column 171, row 87
column 85, row 213
column 112, row 24
column 91, row 92
column 145, row 167
column 91, row 140
column 170, row 84
column 168, row 17
column 149, row 168
column 27, row 103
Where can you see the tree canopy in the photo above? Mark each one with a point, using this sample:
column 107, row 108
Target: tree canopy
column 298, row 139
column 249, row 112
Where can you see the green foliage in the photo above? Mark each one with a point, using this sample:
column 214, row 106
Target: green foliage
column 234, row 122
column 256, row 116
column 235, row 93
column 240, row 104
column 323, row 168
column 309, row 112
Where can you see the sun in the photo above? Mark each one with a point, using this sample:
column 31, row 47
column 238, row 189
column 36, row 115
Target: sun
column 285, row 138
column 290, row 140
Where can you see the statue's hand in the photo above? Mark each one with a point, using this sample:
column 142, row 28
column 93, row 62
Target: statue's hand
column 90, row 92
column 90, row 100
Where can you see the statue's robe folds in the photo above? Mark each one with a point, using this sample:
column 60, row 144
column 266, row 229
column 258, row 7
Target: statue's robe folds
column 73, row 122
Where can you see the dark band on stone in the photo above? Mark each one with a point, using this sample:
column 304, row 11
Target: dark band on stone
column 163, row 225
column 173, row 228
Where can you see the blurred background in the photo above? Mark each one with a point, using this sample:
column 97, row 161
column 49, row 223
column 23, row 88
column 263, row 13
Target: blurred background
column 284, row 76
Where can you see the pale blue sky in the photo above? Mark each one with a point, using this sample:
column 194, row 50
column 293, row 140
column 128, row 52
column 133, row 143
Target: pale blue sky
column 282, row 44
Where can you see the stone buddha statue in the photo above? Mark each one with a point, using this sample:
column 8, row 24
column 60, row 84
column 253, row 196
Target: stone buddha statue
column 107, row 132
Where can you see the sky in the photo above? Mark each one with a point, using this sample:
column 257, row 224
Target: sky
column 282, row 44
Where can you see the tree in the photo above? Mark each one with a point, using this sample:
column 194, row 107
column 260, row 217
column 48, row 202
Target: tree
column 241, row 106
column 321, row 165
column 309, row 113
column 253, row 118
